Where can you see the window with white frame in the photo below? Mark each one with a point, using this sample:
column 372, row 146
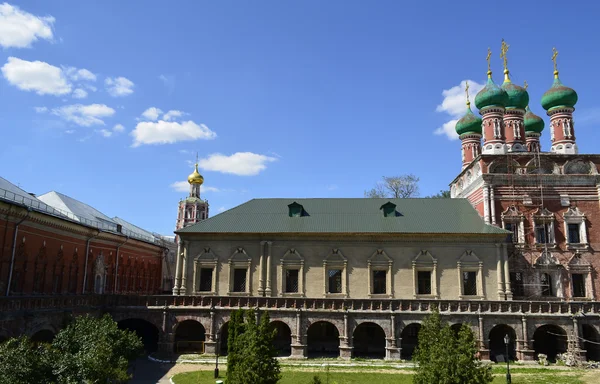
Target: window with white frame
column 379, row 267
column 580, row 271
column 335, row 274
column 240, row 277
column 291, row 272
column 548, row 278
column 424, row 267
column 575, row 228
column 470, row 274
column 205, row 273
column 543, row 221
column 514, row 221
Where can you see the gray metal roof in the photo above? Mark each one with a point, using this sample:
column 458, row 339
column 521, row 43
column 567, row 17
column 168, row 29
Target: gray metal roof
column 81, row 211
column 348, row 215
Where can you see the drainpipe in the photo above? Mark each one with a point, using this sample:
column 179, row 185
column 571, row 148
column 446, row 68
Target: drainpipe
column 117, row 267
column 14, row 249
column 87, row 256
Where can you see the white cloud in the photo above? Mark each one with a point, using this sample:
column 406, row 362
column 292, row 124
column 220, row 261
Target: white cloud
column 69, row 131
column 84, row 115
column 240, row 163
column 19, row 29
column 151, row 114
column 79, row 74
column 118, row 128
column 167, row 132
column 41, row 109
column 119, row 86
column 79, row 94
column 37, row 76
column 171, row 114
column 454, row 105
column 210, row 189
column 105, row 132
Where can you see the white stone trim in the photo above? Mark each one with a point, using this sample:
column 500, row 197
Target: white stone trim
column 380, row 261
column 574, row 216
column 469, row 262
column 206, row 260
column 240, row 260
column 292, row 259
column 424, row 261
column 335, row 260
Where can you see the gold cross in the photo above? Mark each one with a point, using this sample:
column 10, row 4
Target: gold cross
column 467, row 90
column 488, row 58
column 525, row 85
column 503, row 51
column 196, row 158
column 554, row 54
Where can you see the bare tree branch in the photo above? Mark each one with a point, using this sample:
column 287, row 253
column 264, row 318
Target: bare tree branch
column 397, row 187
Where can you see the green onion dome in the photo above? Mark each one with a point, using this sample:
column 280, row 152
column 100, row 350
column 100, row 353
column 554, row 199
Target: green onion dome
column 533, row 123
column 469, row 123
column 491, row 95
column 517, row 95
column 559, row 95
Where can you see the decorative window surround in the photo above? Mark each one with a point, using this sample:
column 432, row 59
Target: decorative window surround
column 207, row 260
column 513, row 216
column 335, row 260
column 579, row 264
column 425, row 262
column 547, row 263
column 291, row 260
column 380, row 261
column 240, row 260
column 575, row 216
column 540, row 217
column 469, row 262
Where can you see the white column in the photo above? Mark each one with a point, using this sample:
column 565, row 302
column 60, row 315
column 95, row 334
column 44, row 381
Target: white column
column 486, row 204
column 499, row 270
column 177, row 284
column 507, row 288
column 268, row 290
column 492, row 205
column 261, row 272
column 184, row 268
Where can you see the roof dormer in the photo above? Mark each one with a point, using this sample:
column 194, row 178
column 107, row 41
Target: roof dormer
column 389, row 209
column 296, row 210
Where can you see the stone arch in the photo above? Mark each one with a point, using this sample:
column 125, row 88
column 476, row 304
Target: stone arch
column 222, row 340
column 44, row 335
column 591, row 343
column 145, row 330
column 410, row 340
column 498, row 347
column 368, row 340
column 550, row 339
column 542, row 167
column 579, row 167
column 323, row 340
column 456, row 328
column 283, row 338
column 189, row 337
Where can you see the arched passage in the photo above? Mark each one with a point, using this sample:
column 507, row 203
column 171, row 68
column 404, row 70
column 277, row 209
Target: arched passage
column 145, row 331
column 550, row 340
column 43, row 336
column 283, row 338
column 497, row 345
column 323, row 340
column 410, row 340
column 591, row 346
column 369, row 341
column 223, row 336
column 189, row 337
column 456, row 328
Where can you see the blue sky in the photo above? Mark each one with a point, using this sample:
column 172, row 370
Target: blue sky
column 279, row 98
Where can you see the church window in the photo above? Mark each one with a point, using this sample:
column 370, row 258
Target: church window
column 206, row 277
column 470, row 270
column 291, row 281
column 335, row 281
column 516, row 284
column 239, row 279
column 513, row 221
column 470, row 283
column 291, row 271
column 240, row 265
column 335, row 274
column 380, row 274
column 544, row 227
column 573, row 233
column 379, row 282
column 542, row 233
column 575, row 228
column 546, row 284
column 578, row 283
column 424, row 282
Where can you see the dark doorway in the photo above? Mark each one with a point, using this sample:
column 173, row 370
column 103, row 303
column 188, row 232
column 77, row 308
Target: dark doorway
column 550, row 340
column 283, row 338
column 145, row 331
column 497, row 346
column 223, row 336
column 592, row 342
column 369, row 341
column 410, row 340
column 323, row 340
column 189, row 337
column 456, row 329
column 43, row 336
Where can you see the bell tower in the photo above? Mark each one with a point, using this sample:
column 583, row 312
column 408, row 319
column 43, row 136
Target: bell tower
column 192, row 209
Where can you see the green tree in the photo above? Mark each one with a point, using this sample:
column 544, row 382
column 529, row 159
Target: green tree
column 256, row 362
column 235, row 329
column 395, row 187
column 94, row 350
column 23, row 362
column 442, row 194
column 444, row 358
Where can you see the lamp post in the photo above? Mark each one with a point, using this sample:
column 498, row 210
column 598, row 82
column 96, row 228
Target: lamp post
column 216, row 356
column 506, row 341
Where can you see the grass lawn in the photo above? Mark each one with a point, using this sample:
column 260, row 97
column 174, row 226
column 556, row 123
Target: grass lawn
column 301, row 377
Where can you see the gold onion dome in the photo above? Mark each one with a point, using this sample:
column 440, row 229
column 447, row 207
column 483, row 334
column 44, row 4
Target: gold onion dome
column 195, row 177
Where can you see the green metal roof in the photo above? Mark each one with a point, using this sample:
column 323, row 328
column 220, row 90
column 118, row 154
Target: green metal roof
column 353, row 215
